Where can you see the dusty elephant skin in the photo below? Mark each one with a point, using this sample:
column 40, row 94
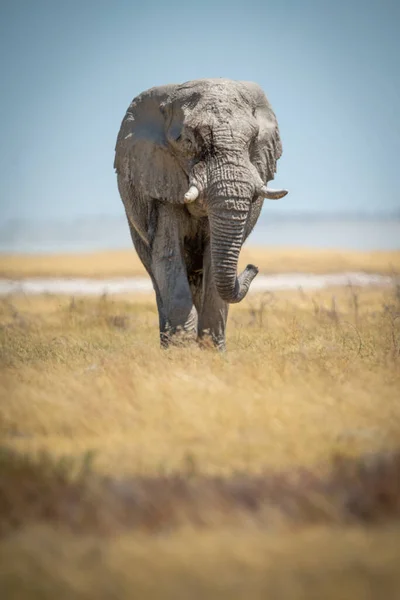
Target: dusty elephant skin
column 193, row 162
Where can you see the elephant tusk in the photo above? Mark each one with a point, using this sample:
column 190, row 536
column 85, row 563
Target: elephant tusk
column 192, row 194
column 272, row 194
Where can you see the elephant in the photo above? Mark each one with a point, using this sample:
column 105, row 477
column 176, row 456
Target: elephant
column 192, row 162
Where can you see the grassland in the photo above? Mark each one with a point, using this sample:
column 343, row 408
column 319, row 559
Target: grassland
column 272, row 471
column 126, row 263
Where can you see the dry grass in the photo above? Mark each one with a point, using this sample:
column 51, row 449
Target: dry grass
column 217, row 472
column 126, row 263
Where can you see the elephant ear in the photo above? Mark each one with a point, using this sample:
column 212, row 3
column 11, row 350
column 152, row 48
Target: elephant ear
column 268, row 147
column 143, row 159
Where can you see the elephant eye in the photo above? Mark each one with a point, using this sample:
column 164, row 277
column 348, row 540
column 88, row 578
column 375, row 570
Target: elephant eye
column 186, row 144
column 184, row 141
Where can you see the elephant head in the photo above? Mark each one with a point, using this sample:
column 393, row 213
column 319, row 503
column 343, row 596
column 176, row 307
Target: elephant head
column 209, row 143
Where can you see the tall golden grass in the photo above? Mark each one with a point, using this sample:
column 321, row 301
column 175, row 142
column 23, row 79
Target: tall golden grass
column 210, row 476
column 121, row 263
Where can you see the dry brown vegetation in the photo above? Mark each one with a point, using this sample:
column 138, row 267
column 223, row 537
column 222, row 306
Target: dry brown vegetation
column 126, row 263
column 270, row 472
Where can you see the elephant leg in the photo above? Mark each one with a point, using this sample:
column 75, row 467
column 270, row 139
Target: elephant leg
column 214, row 310
column 144, row 254
column 178, row 320
column 194, row 250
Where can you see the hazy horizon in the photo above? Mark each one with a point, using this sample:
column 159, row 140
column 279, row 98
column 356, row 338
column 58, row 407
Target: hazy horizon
column 368, row 215
column 111, row 232
column 69, row 71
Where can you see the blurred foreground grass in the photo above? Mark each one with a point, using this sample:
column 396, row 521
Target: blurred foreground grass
column 269, row 472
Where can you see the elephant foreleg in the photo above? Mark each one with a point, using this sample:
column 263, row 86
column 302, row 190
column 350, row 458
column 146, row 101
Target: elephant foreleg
column 144, row 253
column 179, row 315
column 214, row 311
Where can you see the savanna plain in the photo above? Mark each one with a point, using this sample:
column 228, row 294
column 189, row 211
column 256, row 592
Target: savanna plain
column 270, row 471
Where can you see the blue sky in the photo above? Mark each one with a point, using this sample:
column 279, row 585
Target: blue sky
column 70, row 69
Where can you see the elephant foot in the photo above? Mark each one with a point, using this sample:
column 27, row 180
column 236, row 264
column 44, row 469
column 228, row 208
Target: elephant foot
column 178, row 337
column 207, row 341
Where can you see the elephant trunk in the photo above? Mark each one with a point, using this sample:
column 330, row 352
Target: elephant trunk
column 229, row 205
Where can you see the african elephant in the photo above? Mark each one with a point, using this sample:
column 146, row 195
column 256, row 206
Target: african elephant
column 192, row 164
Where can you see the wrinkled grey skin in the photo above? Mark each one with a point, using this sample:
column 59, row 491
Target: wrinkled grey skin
column 221, row 136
